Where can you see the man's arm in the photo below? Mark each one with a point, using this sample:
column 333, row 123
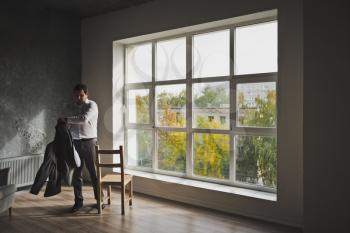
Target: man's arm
column 90, row 113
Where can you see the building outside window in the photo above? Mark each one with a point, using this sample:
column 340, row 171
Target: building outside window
column 222, row 120
column 210, row 118
column 203, row 105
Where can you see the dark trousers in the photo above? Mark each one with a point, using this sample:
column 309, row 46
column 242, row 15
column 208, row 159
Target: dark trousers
column 86, row 151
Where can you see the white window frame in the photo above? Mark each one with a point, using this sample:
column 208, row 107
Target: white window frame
column 189, row 81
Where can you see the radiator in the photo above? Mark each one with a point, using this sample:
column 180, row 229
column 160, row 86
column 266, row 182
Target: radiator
column 22, row 169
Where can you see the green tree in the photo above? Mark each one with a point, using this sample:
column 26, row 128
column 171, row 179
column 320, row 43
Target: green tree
column 166, row 99
column 256, row 160
column 144, row 138
column 172, row 145
column 241, row 102
column 172, row 151
column 212, row 96
column 168, row 102
column 211, row 154
column 144, row 150
column 142, row 109
column 256, row 155
column 263, row 115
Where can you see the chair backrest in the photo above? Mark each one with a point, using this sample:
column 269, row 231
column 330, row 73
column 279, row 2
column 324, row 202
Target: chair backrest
column 99, row 164
column 4, row 173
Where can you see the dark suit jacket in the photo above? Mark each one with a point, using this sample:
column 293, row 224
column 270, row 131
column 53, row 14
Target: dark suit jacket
column 57, row 164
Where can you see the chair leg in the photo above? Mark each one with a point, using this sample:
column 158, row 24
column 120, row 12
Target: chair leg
column 99, row 196
column 109, row 194
column 122, row 198
column 130, row 193
column 10, row 211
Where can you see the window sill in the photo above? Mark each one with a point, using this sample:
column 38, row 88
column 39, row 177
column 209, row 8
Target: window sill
column 205, row 185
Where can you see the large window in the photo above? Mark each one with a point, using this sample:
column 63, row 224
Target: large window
column 203, row 105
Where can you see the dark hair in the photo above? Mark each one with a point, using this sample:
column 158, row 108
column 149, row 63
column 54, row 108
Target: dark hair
column 80, row 87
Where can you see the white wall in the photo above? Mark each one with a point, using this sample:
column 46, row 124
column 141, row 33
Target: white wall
column 160, row 15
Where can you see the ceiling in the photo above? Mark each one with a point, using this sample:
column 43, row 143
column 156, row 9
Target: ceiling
column 89, row 8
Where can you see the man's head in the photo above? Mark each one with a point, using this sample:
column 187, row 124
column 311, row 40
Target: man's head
column 80, row 93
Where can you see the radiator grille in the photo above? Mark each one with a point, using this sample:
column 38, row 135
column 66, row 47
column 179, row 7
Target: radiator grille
column 22, row 169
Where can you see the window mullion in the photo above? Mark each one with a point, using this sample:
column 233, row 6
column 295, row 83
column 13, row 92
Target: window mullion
column 189, row 157
column 232, row 105
column 255, row 131
column 256, row 78
column 153, row 109
column 125, row 114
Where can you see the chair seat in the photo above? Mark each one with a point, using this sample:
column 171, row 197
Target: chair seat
column 115, row 178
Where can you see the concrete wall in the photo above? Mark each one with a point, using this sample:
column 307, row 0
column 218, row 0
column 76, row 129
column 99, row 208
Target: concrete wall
column 97, row 36
column 40, row 57
column 326, row 116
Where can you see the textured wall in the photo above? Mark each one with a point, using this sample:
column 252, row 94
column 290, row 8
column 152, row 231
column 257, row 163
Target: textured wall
column 39, row 64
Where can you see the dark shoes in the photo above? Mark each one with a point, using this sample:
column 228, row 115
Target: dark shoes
column 96, row 206
column 76, row 207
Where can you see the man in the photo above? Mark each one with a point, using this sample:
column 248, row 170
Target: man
column 83, row 127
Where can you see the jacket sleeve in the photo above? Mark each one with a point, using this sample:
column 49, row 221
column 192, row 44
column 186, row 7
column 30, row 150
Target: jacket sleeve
column 86, row 116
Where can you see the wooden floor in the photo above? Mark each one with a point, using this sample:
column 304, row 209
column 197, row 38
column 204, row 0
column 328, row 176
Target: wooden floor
column 36, row 214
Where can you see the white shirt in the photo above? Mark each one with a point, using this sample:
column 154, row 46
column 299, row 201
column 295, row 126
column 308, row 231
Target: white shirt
column 84, row 125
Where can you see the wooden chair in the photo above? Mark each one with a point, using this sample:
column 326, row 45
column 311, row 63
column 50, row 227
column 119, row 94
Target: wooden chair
column 120, row 179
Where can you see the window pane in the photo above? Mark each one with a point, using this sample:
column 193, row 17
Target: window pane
column 256, row 104
column 171, row 59
column 138, row 106
column 139, row 63
column 211, row 105
column 172, row 151
column 211, row 54
column 140, row 148
column 256, row 160
column 256, row 48
column 211, row 155
column 171, row 105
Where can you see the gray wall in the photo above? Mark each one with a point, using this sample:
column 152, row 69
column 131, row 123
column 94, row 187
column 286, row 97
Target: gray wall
column 40, row 61
column 326, row 116
column 97, row 36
